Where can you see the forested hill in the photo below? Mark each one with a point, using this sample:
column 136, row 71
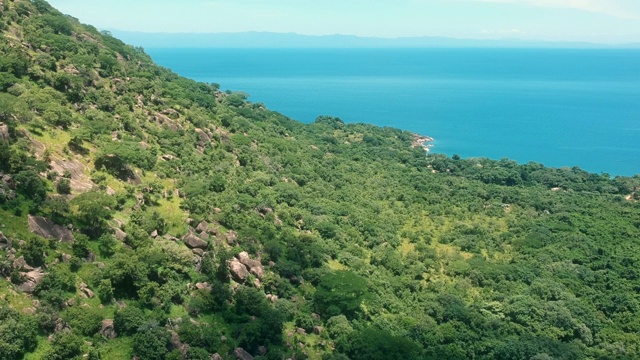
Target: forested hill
column 147, row 215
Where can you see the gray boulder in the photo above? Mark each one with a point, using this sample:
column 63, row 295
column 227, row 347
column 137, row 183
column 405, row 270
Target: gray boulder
column 119, row 234
column 4, row 132
column 231, row 237
column 33, row 278
column 241, row 354
column 194, row 242
column 21, row 264
column 238, row 270
column 202, row 227
column 108, row 331
column 5, row 242
column 254, row 266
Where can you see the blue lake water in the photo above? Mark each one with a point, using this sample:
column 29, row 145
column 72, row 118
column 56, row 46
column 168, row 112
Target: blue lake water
column 555, row 107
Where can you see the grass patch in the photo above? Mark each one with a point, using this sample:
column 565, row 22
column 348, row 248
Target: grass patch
column 54, row 140
column 12, row 225
column 117, row 349
column 43, row 346
column 336, row 265
column 176, row 218
column 15, row 299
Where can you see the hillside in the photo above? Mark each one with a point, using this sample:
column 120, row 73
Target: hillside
column 143, row 214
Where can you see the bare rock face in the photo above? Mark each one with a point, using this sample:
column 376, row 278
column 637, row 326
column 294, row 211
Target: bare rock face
column 216, row 356
column 48, row 229
column 241, row 354
column 238, row 270
column 108, row 331
column 79, row 181
column 194, row 242
column 318, row 330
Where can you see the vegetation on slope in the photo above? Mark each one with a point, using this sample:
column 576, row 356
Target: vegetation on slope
column 203, row 223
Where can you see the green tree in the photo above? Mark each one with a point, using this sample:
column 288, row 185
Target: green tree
column 31, row 185
column 127, row 320
column 92, row 210
column 83, row 321
column 151, row 342
column 340, row 292
column 372, row 344
column 65, row 346
column 35, row 251
column 18, row 334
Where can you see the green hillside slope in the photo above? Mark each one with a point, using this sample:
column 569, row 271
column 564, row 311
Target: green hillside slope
column 143, row 214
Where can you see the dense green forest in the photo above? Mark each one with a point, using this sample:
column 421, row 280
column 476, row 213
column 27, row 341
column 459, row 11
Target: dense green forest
column 146, row 215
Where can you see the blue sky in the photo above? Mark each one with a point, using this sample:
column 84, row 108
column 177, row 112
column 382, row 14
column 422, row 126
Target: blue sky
column 603, row 21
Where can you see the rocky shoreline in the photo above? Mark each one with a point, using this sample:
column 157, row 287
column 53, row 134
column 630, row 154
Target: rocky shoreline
column 422, row 141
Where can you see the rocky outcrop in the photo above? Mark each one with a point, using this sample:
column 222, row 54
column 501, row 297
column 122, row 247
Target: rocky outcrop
column 203, row 137
column 241, row 354
column 194, row 242
column 79, row 181
column 177, row 344
column 203, row 286
column 202, row 227
column 318, row 330
column 7, row 187
column 33, row 278
column 422, row 141
column 27, row 287
column 216, row 356
column 254, row 266
column 84, row 289
column 5, row 242
column 107, row 330
column 4, row 132
column 119, row 234
column 231, row 237
column 241, row 266
column 21, row 264
column 198, row 252
column 238, row 271
column 48, row 229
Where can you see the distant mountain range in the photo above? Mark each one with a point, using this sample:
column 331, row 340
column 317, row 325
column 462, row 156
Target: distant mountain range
column 292, row 40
